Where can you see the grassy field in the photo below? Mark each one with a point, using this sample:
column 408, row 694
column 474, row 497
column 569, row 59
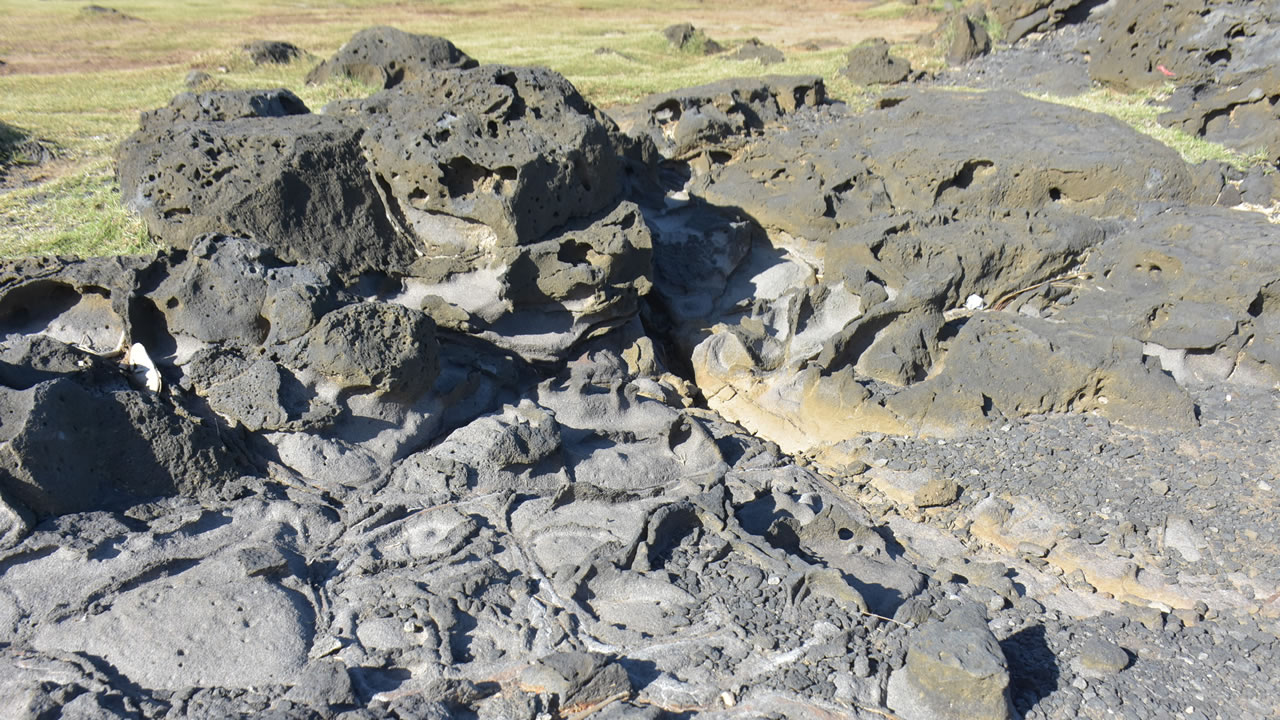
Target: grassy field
column 78, row 79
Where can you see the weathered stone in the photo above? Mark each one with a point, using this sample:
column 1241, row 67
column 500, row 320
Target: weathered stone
column 685, row 37
column 1101, row 656
column 275, row 52
column 295, row 183
column 755, row 50
column 112, row 445
column 955, row 669
column 385, row 57
column 373, row 346
column 718, row 114
column 871, row 64
column 577, row 678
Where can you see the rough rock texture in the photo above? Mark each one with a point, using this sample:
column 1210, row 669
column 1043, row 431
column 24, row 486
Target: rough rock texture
column 717, row 114
column 871, row 64
column 1020, row 18
column 685, row 37
column 1243, row 114
column 755, row 50
column 958, row 406
column 385, row 57
column 258, row 164
column 275, row 52
column 969, row 37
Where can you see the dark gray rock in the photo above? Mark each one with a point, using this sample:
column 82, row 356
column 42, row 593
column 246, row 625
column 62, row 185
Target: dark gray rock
column 577, row 678
column 378, row 347
column 274, row 52
column 755, row 50
column 112, row 445
column 969, row 39
column 1100, row 656
column 323, row 684
column 718, row 114
column 232, row 163
column 1243, row 115
column 517, row 150
column 954, row 669
column 871, row 64
column 686, row 38
column 384, row 57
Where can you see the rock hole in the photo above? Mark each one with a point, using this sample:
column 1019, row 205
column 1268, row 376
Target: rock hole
column 1218, row 56
column 1055, row 194
column 572, row 252
column 845, row 534
column 1257, row 306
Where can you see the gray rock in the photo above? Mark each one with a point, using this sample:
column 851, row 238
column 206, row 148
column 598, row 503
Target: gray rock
column 112, row 445
column 954, row 669
column 514, row 149
column 323, row 684
column 871, row 64
column 687, row 121
column 274, row 52
column 376, row 347
column 233, row 164
column 969, row 39
column 755, row 50
column 577, row 678
column 384, row 57
column 687, row 38
column 1101, row 656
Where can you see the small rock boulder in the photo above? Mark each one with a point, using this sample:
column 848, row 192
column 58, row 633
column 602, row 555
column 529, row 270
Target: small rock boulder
column 385, row 57
column 753, row 49
column 273, row 52
column 871, row 64
column 686, row 38
column 955, row 670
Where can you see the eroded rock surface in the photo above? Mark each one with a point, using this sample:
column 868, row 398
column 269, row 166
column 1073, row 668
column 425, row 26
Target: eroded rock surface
column 956, row 407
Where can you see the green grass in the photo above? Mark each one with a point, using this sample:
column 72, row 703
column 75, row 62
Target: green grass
column 1140, row 110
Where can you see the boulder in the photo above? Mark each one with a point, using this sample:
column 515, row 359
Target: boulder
column 955, row 669
column 257, row 165
column 273, row 52
column 384, row 57
column 113, row 445
column 516, row 150
column 719, row 114
column 871, row 64
column 1020, row 18
column 379, row 347
column 1243, row 115
column 753, row 49
column 969, row 38
column 686, row 38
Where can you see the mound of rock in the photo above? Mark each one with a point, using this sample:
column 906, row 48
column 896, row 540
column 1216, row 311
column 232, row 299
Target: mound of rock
column 871, row 64
column 385, row 57
column 273, row 52
column 717, row 114
column 973, row 420
column 686, row 38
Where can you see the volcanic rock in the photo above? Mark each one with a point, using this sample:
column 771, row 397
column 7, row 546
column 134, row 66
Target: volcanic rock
column 719, row 114
column 955, row 669
column 257, row 164
column 871, row 64
column 753, row 49
column 969, row 39
column 687, row 38
column 275, row 52
column 384, row 57
column 1244, row 115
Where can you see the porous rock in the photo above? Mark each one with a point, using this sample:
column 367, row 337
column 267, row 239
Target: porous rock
column 715, row 115
column 1243, row 114
column 257, row 165
column 1020, row 18
column 274, row 52
column 753, row 49
column 684, row 36
column 871, row 64
column 373, row 346
column 515, row 149
column 113, row 445
column 955, row 669
column 385, row 56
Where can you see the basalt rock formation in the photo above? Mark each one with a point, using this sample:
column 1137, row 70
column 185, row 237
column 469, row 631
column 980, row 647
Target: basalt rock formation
column 466, row 400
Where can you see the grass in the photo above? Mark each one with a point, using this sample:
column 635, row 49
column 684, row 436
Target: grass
column 1140, row 110
column 78, row 82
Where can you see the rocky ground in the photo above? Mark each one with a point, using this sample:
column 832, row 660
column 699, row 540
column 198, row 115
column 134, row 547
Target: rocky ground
column 468, row 399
